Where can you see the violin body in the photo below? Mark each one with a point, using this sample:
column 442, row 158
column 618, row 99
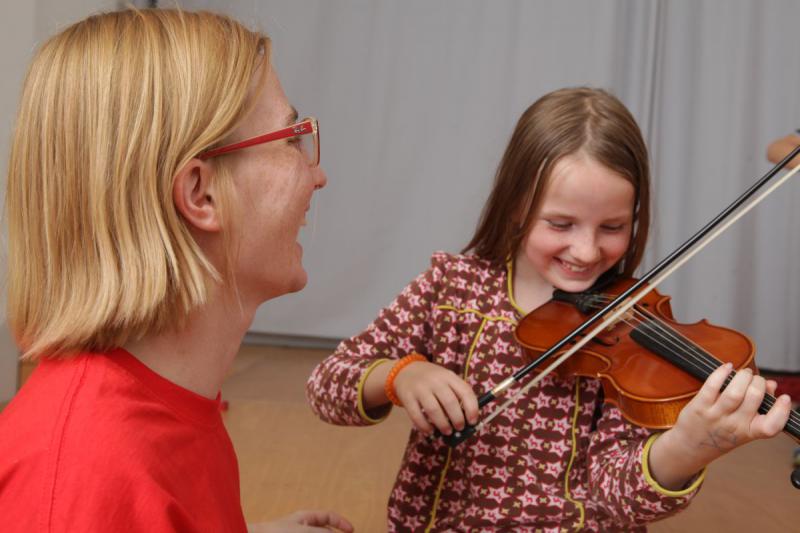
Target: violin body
column 650, row 365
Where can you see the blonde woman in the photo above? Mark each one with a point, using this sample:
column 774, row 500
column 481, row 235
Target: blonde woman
column 143, row 235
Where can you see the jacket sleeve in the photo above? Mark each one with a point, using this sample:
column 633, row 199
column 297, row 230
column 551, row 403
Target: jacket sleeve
column 619, row 475
column 334, row 389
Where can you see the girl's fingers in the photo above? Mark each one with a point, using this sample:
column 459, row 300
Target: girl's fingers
column 436, row 397
column 775, row 420
column 468, row 400
column 323, row 519
column 754, row 395
column 416, row 415
column 435, row 414
column 734, row 411
column 710, row 390
column 452, row 408
column 732, row 397
column 772, row 386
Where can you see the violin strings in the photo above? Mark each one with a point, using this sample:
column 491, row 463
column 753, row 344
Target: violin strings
column 685, row 348
column 711, row 362
column 703, row 360
column 682, row 346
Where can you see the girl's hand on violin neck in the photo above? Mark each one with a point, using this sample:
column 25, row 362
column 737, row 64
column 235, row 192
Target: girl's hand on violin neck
column 435, row 397
column 720, row 421
column 715, row 422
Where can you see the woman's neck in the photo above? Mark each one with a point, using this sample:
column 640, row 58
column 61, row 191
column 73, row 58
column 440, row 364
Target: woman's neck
column 198, row 356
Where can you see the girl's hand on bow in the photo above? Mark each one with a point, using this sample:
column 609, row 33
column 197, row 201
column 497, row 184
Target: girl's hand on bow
column 435, row 397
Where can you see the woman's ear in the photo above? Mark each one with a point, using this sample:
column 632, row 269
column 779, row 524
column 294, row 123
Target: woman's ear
column 195, row 196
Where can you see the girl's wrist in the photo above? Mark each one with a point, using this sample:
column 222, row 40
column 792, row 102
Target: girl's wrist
column 676, row 458
column 401, row 363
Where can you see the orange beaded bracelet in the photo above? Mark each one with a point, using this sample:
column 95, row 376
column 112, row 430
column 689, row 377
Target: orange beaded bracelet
column 403, row 362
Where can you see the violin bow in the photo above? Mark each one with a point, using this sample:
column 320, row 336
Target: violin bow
column 627, row 299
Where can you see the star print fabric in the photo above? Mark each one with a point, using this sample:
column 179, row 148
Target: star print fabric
column 538, row 466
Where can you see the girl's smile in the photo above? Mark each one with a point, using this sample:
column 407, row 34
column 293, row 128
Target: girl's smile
column 572, row 268
column 581, row 229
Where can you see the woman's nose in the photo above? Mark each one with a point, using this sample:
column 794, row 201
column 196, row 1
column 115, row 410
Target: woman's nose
column 320, row 178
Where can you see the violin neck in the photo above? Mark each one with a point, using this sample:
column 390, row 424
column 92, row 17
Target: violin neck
column 700, row 364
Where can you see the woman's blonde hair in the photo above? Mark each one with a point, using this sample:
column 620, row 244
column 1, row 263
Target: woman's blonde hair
column 559, row 124
column 112, row 108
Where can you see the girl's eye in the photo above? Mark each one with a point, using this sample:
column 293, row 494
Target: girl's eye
column 557, row 224
column 295, row 140
column 614, row 228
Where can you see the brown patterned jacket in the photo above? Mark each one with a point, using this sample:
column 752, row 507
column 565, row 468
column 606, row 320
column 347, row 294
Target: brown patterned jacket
column 546, row 464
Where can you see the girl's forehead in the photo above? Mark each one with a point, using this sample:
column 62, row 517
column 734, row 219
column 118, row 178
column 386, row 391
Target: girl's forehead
column 583, row 182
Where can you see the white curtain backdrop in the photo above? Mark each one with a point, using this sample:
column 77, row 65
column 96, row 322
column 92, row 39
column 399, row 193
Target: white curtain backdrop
column 417, row 99
column 725, row 83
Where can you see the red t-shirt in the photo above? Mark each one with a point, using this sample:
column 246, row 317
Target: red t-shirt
column 99, row 442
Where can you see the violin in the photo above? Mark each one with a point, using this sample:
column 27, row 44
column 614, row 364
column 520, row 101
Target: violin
column 650, row 366
column 692, row 349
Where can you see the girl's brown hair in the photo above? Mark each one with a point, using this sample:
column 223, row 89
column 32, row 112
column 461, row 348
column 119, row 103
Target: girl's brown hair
column 559, row 124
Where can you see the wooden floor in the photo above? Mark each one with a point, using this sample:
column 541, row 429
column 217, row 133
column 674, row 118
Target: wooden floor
column 290, row 460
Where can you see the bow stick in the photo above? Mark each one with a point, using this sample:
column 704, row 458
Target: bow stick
column 622, row 303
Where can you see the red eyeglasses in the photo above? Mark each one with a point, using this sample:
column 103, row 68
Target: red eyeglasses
column 305, row 133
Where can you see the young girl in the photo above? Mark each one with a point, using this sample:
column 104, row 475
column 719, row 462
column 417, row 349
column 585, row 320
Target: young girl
column 570, row 203
column 137, row 259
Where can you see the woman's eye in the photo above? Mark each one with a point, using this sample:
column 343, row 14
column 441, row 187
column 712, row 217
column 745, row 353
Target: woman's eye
column 294, row 140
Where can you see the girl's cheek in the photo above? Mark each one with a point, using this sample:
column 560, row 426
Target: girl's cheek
column 620, row 248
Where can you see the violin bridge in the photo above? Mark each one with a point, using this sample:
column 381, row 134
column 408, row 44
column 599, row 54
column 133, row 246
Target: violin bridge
column 626, row 317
